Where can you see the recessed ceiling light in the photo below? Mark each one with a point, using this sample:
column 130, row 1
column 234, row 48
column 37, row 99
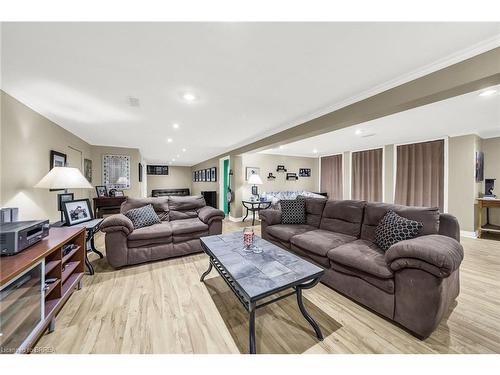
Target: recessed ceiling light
column 173, row 159
column 282, row 147
column 358, row 132
column 170, row 140
column 183, row 150
column 315, row 151
column 175, row 126
column 189, row 97
column 488, row 92
column 178, row 156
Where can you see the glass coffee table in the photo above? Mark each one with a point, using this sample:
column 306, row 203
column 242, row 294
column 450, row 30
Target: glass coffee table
column 254, row 277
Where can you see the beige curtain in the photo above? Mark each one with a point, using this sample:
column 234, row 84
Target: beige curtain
column 420, row 174
column 331, row 176
column 366, row 175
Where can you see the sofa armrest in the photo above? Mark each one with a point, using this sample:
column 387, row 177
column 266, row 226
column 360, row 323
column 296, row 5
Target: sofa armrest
column 115, row 223
column 208, row 214
column 449, row 226
column 437, row 254
column 270, row 216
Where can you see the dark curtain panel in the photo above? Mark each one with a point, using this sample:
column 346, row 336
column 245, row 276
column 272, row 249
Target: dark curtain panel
column 331, row 176
column 366, row 175
column 420, row 174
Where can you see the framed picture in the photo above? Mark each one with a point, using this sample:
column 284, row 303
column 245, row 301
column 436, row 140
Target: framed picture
column 119, row 193
column 116, row 171
column 250, row 171
column 479, row 166
column 213, row 174
column 64, row 197
column 57, row 159
column 305, row 172
column 194, row 176
column 208, row 175
column 203, row 175
column 77, row 211
column 101, row 191
column 140, row 172
column 87, row 169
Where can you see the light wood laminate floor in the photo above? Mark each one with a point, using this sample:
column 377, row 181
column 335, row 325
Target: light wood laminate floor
column 162, row 307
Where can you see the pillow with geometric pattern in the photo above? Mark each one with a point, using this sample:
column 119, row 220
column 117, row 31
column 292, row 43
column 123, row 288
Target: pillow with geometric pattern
column 394, row 228
column 143, row 216
column 293, row 211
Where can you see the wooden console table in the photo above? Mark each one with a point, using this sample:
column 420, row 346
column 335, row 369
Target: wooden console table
column 107, row 205
column 487, row 227
column 28, row 305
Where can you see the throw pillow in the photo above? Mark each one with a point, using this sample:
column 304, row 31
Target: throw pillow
column 293, row 211
column 394, row 228
column 143, row 216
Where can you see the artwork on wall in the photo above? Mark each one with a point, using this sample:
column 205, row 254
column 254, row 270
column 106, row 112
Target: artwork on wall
column 250, row 171
column 57, row 159
column 479, row 166
column 305, row 172
column 116, row 171
column 213, row 174
column 157, row 170
column 140, row 172
column 194, row 176
column 205, row 175
column 87, row 169
column 292, row 176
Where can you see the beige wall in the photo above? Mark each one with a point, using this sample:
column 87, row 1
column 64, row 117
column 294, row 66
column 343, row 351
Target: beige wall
column 26, row 140
column 462, row 192
column 198, row 187
column 491, row 149
column 177, row 178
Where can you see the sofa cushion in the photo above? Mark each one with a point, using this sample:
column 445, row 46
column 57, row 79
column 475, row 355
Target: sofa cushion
column 374, row 212
column 387, row 285
column 188, row 226
column 394, row 228
column 284, row 232
column 160, row 205
column 293, row 211
column 314, row 210
column 161, row 230
column 319, row 241
column 143, row 216
column 362, row 255
column 186, row 203
column 343, row 217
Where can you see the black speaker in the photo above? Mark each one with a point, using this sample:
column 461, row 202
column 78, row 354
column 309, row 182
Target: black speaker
column 210, row 198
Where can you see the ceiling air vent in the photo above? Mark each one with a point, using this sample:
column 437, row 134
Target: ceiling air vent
column 134, row 102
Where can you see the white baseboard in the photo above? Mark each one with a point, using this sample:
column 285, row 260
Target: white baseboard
column 468, row 234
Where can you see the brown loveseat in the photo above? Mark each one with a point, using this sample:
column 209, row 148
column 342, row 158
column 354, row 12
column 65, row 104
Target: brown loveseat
column 183, row 221
column 413, row 283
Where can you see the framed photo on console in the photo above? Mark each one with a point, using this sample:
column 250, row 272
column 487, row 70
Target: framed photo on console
column 64, row 197
column 77, row 211
column 101, row 191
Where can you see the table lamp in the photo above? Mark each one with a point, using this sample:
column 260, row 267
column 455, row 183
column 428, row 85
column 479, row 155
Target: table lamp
column 255, row 180
column 64, row 178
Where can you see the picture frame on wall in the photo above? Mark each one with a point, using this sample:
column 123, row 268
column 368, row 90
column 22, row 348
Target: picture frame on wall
column 479, row 166
column 207, row 175
column 57, row 159
column 77, row 211
column 116, row 171
column 87, row 169
column 202, row 175
column 213, row 174
column 194, row 176
column 140, row 172
column 305, row 172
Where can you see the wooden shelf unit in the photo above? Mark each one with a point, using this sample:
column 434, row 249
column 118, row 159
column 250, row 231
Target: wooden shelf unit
column 49, row 250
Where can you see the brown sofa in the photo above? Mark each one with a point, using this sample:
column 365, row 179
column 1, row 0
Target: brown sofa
column 413, row 283
column 183, row 221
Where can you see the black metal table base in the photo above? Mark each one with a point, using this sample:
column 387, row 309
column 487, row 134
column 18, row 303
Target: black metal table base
column 252, row 306
column 254, row 209
column 90, row 247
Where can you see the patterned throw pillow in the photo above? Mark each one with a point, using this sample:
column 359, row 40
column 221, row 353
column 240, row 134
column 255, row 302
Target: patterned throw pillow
column 143, row 216
column 394, row 228
column 293, row 211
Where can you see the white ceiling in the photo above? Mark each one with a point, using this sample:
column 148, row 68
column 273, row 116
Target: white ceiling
column 251, row 79
column 465, row 114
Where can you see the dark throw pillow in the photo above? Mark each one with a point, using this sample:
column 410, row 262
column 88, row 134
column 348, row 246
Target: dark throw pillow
column 394, row 228
column 143, row 216
column 293, row 211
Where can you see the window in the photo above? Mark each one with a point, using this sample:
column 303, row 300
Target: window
column 331, row 176
column 420, row 174
column 366, row 175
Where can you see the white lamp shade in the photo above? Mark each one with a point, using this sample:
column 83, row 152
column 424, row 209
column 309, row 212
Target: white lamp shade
column 254, row 179
column 64, row 178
